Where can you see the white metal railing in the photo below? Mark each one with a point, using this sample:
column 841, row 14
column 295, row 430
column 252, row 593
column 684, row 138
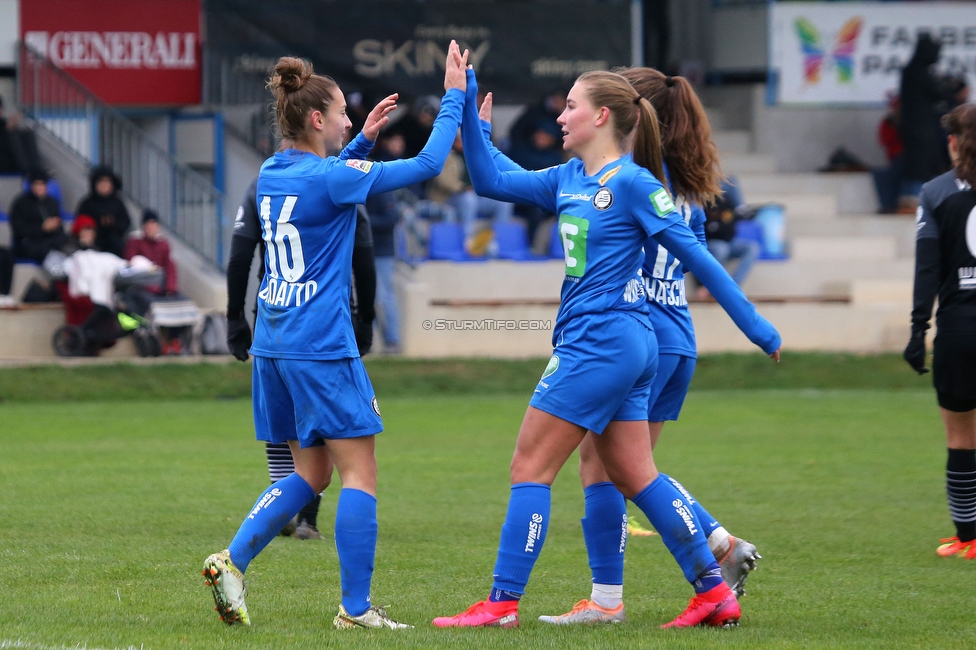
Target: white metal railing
column 237, row 89
column 188, row 203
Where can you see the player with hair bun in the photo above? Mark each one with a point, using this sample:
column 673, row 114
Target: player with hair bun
column 605, row 352
column 309, row 384
column 945, row 266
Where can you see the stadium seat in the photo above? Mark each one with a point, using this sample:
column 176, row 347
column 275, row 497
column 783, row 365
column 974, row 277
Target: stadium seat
column 556, row 244
column 513, row 241
column 772, row 219
column 446, row 242
column 749, row 230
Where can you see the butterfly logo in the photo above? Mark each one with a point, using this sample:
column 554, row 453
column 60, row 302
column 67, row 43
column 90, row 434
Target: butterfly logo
column 842, row 53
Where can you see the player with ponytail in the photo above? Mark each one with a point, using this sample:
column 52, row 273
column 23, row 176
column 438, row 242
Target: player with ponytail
column 605, row 352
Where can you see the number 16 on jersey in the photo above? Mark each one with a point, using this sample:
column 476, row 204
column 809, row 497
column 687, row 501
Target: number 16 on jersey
column 286, row 261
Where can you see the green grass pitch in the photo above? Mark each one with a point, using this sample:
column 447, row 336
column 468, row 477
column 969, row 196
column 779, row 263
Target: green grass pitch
column 108, row 509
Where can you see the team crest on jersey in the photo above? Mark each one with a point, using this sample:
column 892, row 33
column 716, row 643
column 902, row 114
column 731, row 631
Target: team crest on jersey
column 662, row 202
column 603, row 198
column 362, row 165
column 376, row 406
column 610, row 174
column 552, row 367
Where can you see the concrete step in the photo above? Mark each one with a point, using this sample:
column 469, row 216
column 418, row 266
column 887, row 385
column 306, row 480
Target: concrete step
column 854, row 191
column 26, row 332
column 803, row 278
column 902, row 228
column 747, row 163
column 821, row 327
column 23, row 274
column 843, row 248
column 798, row 206
column 733, row 141
column 489, row 280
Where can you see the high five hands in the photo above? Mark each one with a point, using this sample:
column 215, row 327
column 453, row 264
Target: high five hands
column 454, row 68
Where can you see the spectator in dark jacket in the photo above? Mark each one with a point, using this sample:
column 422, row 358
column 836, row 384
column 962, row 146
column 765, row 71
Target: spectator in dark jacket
column 384, row 213
column 540, row 116
column 35, row 219
column 105, row 205
column 153, row 246
column 921, row 93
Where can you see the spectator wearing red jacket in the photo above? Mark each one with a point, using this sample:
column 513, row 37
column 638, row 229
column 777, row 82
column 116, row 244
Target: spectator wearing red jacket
column 888, row 180
column 153, row 246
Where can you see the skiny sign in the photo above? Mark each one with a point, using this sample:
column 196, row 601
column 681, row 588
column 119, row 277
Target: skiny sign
column 853, row 52
column 128, row 52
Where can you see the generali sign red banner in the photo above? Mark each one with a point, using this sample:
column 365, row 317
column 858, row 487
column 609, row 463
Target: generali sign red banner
column 128, row 52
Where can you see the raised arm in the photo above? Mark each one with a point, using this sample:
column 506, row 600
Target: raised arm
column 682, row 243
column 430, row 161
column 362, row 144
column 517, row 186
column 504, row 163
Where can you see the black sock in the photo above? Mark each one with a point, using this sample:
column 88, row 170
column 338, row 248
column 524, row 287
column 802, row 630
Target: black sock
column 310, row 512
column 961, row 490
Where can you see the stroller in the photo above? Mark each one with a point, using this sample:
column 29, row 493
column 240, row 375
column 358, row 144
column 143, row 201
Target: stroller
column 90, row 328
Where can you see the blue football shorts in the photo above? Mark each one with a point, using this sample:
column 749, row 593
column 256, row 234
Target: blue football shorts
column 600, row 370
column 670, row 386
column 313, row 401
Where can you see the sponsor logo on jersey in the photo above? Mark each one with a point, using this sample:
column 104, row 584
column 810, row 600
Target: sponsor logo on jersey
column 967, row 277
column 575, row 197
column 662, row 202
column 971, row 232
column 634, row 291
column 362, row 165
column 535, row 532
column 239, row 218
column 603, row 198
column 376, row 406
column 610, row 174
column 552, row 367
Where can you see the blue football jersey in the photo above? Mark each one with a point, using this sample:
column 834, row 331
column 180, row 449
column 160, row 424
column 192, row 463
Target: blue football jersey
column 664, row 282
column 604, row 220
column 307, row 208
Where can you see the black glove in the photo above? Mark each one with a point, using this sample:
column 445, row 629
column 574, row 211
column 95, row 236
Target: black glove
column 238, row 337
column 915, row 351
column 364, row 336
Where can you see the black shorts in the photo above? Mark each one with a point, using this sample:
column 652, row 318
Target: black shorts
column 954, row 370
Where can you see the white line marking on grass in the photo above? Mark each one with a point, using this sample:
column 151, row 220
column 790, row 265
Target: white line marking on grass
column 27, row 645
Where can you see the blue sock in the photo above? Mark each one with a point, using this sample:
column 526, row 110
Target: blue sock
column 523, row 534
column 355, row 540
column 677, row 525
column 708, row 522
column 709, row 579
column 270, row 513
column 605, row 532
